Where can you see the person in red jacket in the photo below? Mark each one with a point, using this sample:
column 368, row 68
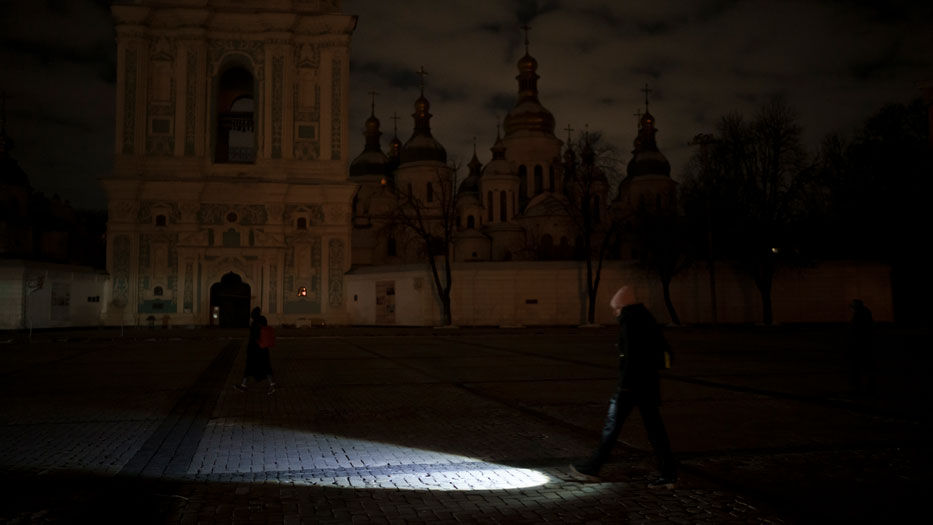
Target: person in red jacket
column 258, row 364
column 641, row 354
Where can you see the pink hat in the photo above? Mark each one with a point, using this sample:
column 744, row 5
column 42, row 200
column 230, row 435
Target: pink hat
column 624, row 297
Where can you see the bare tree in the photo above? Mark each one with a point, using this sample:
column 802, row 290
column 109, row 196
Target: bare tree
column 662, row 244
column 755, row 174
column 586, row 187
column 431, row 221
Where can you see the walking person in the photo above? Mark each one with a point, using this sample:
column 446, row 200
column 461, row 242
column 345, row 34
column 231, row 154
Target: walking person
column 258, row 364
column 642, row 351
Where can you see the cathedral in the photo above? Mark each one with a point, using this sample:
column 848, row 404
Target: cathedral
column 229, row 188
column 524, row 205
column 232, row 186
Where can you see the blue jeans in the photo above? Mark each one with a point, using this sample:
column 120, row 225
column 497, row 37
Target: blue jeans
column 620, row 406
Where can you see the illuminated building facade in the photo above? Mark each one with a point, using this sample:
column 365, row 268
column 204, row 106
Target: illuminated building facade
column 230, row 185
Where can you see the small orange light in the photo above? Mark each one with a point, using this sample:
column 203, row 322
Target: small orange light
column 302, row 291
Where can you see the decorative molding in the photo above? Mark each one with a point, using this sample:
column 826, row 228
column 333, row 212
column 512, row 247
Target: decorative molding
column 335, row 273
column 272, row 288
column 278, row 71
column 145, row 211
column 191, row 90
column 314, row 213
column 307, row 56
column 189, row 287
column 162, row 49
column 123, row 211
column 335, row 124
column 269, row 239
column 121, row 269
column 129, row 101
column 275, row 211
column 255, row 49
column 247, row 214
column 198, row 238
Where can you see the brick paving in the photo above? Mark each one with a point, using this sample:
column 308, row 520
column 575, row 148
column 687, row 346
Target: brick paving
column 453, row 426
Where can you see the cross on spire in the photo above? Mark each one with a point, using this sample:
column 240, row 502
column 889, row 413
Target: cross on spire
column 526, row 28
column 568, row 129
column 395, row 122
column 645, row 90
column 422, row 73
column 373, row 94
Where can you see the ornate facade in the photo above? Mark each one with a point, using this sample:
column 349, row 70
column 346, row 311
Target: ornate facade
column 230, row 185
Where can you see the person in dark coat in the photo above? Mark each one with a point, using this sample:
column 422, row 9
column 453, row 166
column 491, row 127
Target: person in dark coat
column 258, row 364
column 641, row 353
column 861, row 348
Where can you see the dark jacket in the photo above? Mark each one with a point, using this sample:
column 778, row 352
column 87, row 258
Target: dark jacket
column 641, row 346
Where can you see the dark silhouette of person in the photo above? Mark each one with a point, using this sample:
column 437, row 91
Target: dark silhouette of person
column 641, row 353
column 258, row 364
column 861, row 343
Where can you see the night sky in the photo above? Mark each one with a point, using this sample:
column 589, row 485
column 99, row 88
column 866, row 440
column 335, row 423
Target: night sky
column 835, row 62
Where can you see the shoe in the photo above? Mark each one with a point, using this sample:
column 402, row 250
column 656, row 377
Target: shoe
column 585, row 471
column 663, row 483
column 241, row 388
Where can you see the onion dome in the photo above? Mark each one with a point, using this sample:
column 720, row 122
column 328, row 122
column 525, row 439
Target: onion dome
column 471, row 183
column 498, row 165
column 528, row 113
column 646, row 158
column 372, row 161
column 422, row 146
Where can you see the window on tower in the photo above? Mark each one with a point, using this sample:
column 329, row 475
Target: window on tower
column 235, row 139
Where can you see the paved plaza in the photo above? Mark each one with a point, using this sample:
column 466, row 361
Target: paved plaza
column 421, row 425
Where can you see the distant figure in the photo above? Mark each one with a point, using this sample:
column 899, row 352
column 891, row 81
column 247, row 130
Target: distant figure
column 641, row 354
column 861, row 345
column 258, row 364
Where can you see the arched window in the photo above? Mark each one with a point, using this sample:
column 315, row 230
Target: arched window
column 302, row 223
column 471, row 222
column 489, row 214
column 157, row 291
column 503, row 207
column 550, row 178
column 391, row 249
column 236, row 138
column 160, row 220
column 430, row 192
column 539, row 180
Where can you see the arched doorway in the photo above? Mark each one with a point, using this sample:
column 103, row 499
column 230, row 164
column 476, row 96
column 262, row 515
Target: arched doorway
column 230, row 300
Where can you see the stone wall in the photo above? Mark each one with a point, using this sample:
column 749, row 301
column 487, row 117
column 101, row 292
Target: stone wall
column 553, row 293
column 46, row 295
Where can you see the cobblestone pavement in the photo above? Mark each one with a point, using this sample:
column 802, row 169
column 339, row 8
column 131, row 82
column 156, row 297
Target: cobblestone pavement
column 454, row 426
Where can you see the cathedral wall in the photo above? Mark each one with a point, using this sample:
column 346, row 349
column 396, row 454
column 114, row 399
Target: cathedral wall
column 553, row 293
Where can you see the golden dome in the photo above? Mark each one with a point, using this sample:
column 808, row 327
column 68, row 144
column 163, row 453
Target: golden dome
column 527, row 63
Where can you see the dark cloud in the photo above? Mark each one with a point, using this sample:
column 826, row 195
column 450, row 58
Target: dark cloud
column 836, row 62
